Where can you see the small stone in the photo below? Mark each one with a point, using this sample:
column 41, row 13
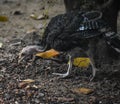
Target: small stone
column 41, row 94
column 37, row 101
column 16, row 102
column 7, row 96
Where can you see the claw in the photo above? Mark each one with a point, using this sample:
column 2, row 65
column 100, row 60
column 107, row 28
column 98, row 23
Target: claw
column 68, row 70
column 61, row 75
column 93, row 70
column 64, row 75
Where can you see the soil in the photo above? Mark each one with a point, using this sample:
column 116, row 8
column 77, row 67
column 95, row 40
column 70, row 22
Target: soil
column 46, row 88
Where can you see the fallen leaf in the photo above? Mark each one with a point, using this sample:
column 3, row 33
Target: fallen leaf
column 43, row 16
column 48, row 54
column 3, row 19
column 82, row 62
column 33, row 16
column 85, row 91
column 40, row 17
column 31, row 31
column 28, row 80
column 24, row 83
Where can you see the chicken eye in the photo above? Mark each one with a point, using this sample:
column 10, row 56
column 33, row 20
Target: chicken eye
column 23, row 54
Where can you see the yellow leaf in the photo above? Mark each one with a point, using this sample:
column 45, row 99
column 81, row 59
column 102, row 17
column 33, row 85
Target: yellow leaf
column 81, row 62
column 48, row 54
column 3, row 18
column 85, row 91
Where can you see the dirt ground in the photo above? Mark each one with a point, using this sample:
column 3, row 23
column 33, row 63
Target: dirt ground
column 45, row 88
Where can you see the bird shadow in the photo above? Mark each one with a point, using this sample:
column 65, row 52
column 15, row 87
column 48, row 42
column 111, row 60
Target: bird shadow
column 109, row 75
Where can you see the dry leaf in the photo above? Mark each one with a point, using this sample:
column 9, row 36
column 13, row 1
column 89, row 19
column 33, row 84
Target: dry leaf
column 28, row 80
column 3, row 19
column 24, row 83
column 48, row 54
column 85, row 91
column 82, row 62
column 42, row 16
column 33, row 16
column 31, row 31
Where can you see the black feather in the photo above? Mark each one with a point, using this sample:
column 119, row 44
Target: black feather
column 113, row 40
column 68, row 30
column 75, row 29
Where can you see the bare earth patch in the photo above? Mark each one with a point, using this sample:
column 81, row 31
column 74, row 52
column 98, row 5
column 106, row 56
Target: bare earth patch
column 46, row 88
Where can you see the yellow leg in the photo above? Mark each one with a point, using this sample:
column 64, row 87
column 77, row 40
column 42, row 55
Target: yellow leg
column 68, row 70
column 93, row 69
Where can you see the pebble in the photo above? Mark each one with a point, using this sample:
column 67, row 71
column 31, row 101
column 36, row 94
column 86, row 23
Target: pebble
column 7, row 96
column 41, row 94
column 37, row 101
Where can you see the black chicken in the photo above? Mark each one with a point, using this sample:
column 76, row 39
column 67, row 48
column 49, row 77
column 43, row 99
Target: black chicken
column 70, row 30
column 67, row 31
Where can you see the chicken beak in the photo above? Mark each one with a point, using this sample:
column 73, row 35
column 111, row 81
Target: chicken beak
column 20, row 59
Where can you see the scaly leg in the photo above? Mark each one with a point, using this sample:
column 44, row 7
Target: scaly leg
column 68, row 70
column 93, row 69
